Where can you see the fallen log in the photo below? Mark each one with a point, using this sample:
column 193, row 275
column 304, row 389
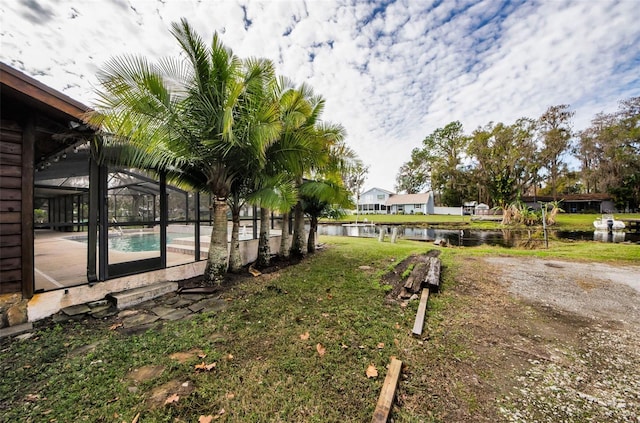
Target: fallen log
column 422, row 310
column 385, row 401
column 433, row 276
column 417, row 276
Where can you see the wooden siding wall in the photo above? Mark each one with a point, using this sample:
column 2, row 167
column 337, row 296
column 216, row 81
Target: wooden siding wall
column 10, row 208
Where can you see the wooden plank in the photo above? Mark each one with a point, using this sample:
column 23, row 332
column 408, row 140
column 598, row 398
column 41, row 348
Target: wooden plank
column 11, row 171
column 10, row 240
column 385, row 401
column 10, row 263
column 7, row 252
column 28, row 264
column 9, row 182
column 10, row 275
column 422, row 310
column 10, row 217
column 9, row 287
column 433, row 277
column 10, row 148
column 10, row 206
column 414, row 281
column 10, row 194
column 10, row 229
column 10, row 159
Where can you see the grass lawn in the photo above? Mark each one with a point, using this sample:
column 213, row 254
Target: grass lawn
column 564, row 221
column 292, row 346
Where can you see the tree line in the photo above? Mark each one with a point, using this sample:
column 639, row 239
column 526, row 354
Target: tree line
column 498, row 163
column 212, row 121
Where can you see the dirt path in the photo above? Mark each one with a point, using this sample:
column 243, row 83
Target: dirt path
column 592, row 290
column 533, row 340
column 581, row 327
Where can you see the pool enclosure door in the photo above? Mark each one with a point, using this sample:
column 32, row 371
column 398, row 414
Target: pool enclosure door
column 126, row 207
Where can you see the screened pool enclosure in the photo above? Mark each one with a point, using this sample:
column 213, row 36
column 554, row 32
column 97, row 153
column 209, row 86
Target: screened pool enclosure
column 98, row 222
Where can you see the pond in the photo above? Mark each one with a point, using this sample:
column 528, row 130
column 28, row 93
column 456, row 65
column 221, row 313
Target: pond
column 474, row 237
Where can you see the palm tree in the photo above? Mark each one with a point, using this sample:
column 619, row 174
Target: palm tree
column 258, row 126
column 192, row 117
column 317, row 198
column 320, row 137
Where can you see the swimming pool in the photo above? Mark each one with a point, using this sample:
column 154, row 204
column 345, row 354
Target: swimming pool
column 134, row 242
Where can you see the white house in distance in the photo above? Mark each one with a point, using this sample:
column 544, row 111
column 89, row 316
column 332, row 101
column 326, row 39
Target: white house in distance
column 374, row 201
column 411, row 203
column 380, row 201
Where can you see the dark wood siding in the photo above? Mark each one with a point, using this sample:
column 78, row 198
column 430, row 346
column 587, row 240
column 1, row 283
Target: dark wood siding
column 10, row 208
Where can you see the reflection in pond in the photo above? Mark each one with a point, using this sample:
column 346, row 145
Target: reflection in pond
column 473, row 237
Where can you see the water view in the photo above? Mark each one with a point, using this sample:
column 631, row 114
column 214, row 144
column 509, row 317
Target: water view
column 474, row 237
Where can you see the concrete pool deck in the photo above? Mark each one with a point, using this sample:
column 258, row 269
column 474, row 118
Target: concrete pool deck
column 61, row 262
column 60, row 271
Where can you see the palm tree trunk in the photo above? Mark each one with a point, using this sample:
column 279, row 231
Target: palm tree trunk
column 235, row 260
column 297, row 243
column 218, row 251
column 284, row 239
column 311, row 243
column 264, row 252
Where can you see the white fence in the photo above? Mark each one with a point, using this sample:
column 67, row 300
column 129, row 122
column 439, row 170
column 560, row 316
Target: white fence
column 456, row 211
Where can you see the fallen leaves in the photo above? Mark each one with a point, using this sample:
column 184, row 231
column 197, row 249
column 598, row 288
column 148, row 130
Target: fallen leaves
column 116, row 326
column 371, row 371
column 32, row 397
column 171, row 399
column 304, row 336
column 205, row 367
column 185, row 356
column 210, row 418
column 321, row 349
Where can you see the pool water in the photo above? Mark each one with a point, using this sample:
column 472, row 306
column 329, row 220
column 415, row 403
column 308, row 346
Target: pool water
column 134, row 242
column 140, row 242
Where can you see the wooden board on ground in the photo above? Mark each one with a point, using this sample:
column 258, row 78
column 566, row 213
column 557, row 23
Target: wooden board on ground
column 433, row 277
column 418, row 274
column 422, row 310
column 385, row 401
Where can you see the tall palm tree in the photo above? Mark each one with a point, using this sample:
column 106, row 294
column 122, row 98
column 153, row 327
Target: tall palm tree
column 195, row 117
column 318, row 138
column 317, row 197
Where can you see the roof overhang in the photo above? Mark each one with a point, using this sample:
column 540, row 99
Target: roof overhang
column 59, row 119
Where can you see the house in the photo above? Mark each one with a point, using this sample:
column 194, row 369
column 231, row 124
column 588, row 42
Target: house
column 576, row 203
column 374, row 201
column 469, row 207
column 411, row 203
column 74, row 230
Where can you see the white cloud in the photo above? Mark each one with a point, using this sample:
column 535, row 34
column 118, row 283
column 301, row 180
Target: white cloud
column 390, row 75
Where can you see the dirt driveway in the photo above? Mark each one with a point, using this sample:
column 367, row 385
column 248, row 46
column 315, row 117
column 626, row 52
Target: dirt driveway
column 582, row 333
column 536, row 341
column 592, row 290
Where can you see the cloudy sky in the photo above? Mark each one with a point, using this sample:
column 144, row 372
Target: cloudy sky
column 391, row 71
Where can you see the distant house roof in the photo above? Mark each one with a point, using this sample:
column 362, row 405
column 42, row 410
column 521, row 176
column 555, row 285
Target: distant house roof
column 408, row 199
column 378, row 189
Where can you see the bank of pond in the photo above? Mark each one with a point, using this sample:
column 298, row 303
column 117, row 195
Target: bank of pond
column 474, row 237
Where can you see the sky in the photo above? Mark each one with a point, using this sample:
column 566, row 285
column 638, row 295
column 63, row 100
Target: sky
column 391, row 72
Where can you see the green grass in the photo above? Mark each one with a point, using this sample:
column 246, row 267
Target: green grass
column 565, row 221
column 79, row 371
